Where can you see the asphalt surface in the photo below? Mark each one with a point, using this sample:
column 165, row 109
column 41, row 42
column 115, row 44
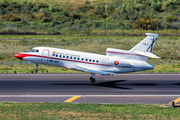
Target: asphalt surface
column 122, row 88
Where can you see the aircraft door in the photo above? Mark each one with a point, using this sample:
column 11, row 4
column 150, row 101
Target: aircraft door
column 45, row 56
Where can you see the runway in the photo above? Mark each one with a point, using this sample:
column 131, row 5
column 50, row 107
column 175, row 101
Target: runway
column 76, row 88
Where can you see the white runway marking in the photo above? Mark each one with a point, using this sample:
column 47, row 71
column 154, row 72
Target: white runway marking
column 90, row 95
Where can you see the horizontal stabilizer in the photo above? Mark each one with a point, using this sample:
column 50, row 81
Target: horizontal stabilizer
column 147, row 54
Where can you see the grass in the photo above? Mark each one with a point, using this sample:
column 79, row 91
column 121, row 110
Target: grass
column 167, row 47
column 75, row 29
column 30, row 68
column 86, row 111
column 97, row 17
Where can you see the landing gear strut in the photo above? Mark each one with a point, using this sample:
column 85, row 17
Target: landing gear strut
column 36, row 71
column 92, row 78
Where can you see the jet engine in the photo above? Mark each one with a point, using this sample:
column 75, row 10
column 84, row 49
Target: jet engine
column 118, row 62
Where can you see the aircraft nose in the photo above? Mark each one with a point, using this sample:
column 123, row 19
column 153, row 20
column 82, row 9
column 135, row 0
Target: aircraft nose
column 19, row 56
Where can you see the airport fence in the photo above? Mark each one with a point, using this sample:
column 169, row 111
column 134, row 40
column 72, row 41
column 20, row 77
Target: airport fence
column 94, row 27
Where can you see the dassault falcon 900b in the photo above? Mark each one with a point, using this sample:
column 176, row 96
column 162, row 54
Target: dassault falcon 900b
column 115, row 61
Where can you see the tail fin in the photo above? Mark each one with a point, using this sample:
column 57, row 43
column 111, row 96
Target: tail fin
column 144, row 47
column 146, row 44
column 139, row 52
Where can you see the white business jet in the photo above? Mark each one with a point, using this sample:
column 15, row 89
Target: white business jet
column 115, row 61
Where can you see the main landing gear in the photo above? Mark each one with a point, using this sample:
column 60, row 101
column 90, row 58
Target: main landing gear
column 92, row 78
column 36, row 71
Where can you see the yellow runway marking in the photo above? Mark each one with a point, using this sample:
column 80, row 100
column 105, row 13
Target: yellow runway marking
column 175, row 101
column 72, row 98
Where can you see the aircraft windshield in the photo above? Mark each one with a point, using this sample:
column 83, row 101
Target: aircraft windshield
column 34, row 50
column 37, row 51
column 30, row 50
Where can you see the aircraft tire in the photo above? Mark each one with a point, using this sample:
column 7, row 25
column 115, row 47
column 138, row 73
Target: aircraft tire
column 36, row 71
column 92, row 80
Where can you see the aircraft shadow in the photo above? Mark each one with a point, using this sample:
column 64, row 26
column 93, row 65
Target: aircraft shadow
column 176, row 84
column 111, row 84
column 115, row 84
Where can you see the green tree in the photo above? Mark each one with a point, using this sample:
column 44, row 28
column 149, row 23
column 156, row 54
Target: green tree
column 126, row 11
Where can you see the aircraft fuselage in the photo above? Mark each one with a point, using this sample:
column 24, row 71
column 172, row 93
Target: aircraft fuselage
column 74, row 60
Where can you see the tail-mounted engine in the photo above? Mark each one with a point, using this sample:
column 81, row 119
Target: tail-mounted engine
column 115, row 61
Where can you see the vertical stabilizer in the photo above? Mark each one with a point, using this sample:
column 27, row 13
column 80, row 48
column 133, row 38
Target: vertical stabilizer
column 139, row 52
column 146, row 44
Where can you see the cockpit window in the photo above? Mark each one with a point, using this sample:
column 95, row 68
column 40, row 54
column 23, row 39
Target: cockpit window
column 37, row 51
column 33, row 50
column 30, row 50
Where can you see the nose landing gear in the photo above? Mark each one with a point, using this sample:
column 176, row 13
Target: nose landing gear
column 92, row 78
column 36, row 71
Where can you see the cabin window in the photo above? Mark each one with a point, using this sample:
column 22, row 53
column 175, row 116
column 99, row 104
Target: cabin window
column 86, row 59
column 56, row 55
column 93, row 60
column 33, row 50
column 82, row 59
column 77, row 58
column 67, row 57
column 60, row 56
column 74, row 58
column 97, row 61
column 63, row 56
column 89, row 60
column 70, row 57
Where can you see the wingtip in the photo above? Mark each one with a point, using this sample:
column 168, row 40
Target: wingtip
column 151, row 34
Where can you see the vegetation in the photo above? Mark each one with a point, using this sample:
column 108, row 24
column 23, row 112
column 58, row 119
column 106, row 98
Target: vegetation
column 166, row 47
column 81, row 17
column 86, row 111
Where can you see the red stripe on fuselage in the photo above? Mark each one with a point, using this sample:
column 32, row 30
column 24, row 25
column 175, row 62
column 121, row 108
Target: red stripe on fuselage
column 22, row 55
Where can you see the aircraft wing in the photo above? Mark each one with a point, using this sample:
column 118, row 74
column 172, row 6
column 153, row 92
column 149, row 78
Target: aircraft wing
column 86, row 69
